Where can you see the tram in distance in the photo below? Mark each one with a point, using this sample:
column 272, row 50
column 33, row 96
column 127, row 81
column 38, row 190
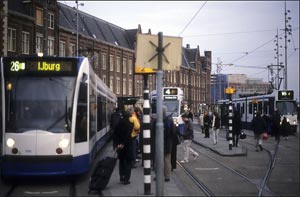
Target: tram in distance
column 282, row 100
column 55, row 115
column 173, row 100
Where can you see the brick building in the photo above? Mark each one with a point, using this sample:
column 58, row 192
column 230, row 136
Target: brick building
column 110, row 48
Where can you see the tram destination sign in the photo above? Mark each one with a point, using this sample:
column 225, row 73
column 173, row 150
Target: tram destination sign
column 40, row 66
column 285, row 95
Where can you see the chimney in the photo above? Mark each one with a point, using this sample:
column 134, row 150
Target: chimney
column 187, row 46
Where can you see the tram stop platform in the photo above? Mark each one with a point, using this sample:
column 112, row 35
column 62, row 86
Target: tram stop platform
column 171, row 188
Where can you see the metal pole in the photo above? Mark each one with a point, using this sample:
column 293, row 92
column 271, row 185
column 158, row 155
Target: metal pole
column 77, row 29
column 159, row 134
column 230, row 116
column 285, row 46
column 146, row 138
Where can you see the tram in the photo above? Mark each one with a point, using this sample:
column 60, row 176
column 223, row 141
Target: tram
column 282, row 100
column 173, row 100
column 55, row 115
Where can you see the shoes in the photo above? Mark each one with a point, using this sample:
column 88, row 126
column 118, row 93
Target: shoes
column 184, row 161
column 196, row 156
column 126, row 182
column 167, row 179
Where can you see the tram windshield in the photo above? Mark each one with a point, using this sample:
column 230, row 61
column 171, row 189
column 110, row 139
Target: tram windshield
column 39, row 103
column 173, row 107
column 287, row 107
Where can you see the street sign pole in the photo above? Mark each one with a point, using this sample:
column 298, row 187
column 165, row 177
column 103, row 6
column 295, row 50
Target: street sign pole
column 159, row 134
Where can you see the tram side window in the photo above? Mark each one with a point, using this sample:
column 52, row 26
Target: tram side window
column 250, row 108
column 260, row 106
column 99, row 113
column 243, row 108
column 81, row 115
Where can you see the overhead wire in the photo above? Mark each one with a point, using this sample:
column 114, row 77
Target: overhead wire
column 192, row 19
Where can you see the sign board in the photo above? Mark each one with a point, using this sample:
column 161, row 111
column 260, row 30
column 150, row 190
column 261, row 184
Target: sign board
column 146, row 54
column 230, row 90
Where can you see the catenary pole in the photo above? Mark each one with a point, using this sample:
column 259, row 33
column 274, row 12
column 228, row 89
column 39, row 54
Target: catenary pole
column 159, row 134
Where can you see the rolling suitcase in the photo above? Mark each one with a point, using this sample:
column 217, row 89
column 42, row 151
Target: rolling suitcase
column 102, row 173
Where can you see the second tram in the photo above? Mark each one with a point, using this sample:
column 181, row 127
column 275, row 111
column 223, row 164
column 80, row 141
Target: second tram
column 173, row 100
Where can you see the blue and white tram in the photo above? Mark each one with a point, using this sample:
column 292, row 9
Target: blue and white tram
column 283, row 100
column 173, row 100
column 55, row 114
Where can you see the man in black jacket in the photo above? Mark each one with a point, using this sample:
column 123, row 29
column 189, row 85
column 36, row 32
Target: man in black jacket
column 188, row 136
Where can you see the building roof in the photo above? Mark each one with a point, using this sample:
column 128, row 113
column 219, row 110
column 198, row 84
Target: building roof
column 189, row 57
column 95, row 28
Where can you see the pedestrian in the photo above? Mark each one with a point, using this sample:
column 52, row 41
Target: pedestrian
column 114, row 121
column 207, row 124
column 123, row 139
column 201, row 122
column 285, row 125
column 236, row 128
column 191, row 115
column 135, row 131
column 188, row 136
column 259, row 127
column 215, row 127
column 169, row 132
column 276, row 125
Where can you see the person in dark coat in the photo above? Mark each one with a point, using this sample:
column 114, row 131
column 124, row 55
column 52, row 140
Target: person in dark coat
column 259, row 126
column 188, row 136
column 123, row 141
column 207, row 124
column 236, row 128
column 285, row 125
column 276, row 125
column 114, row 121
column 169, row 132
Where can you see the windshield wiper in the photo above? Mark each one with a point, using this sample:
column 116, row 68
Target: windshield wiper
column 60, row 118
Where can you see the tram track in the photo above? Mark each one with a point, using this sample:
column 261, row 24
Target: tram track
column 197, row 182
column 261, row 185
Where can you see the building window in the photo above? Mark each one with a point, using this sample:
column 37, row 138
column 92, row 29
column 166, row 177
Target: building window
column 130, row 66
column 50, row 20
column 103, row 59
column 111, row 63
column 124, row 65
column 130, row 87
column 124, row 86
column 104, row 79
column 11, row 42
column 50, row 45
column 39, row 43
column 62, row 48
column 118, row 64
column 39, row 16
column 25, row 42
column 72, row 50
column 111, row 83
column 118, row 85
column 95, row 60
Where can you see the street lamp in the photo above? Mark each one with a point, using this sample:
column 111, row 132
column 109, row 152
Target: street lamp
column 77, row 4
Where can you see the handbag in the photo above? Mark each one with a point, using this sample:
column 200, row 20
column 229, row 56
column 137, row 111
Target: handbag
column 243, row 135
column 265, row 136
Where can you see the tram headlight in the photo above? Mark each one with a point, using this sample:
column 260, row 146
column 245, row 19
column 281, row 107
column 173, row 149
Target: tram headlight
column 64, row 143
column 10, row 142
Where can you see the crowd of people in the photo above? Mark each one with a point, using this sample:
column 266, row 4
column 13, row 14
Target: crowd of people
column 127, row 142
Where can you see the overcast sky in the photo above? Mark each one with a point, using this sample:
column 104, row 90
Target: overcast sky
column 241, row 33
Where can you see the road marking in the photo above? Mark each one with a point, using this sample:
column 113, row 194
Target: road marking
column 207, row 168
column 38, row 193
